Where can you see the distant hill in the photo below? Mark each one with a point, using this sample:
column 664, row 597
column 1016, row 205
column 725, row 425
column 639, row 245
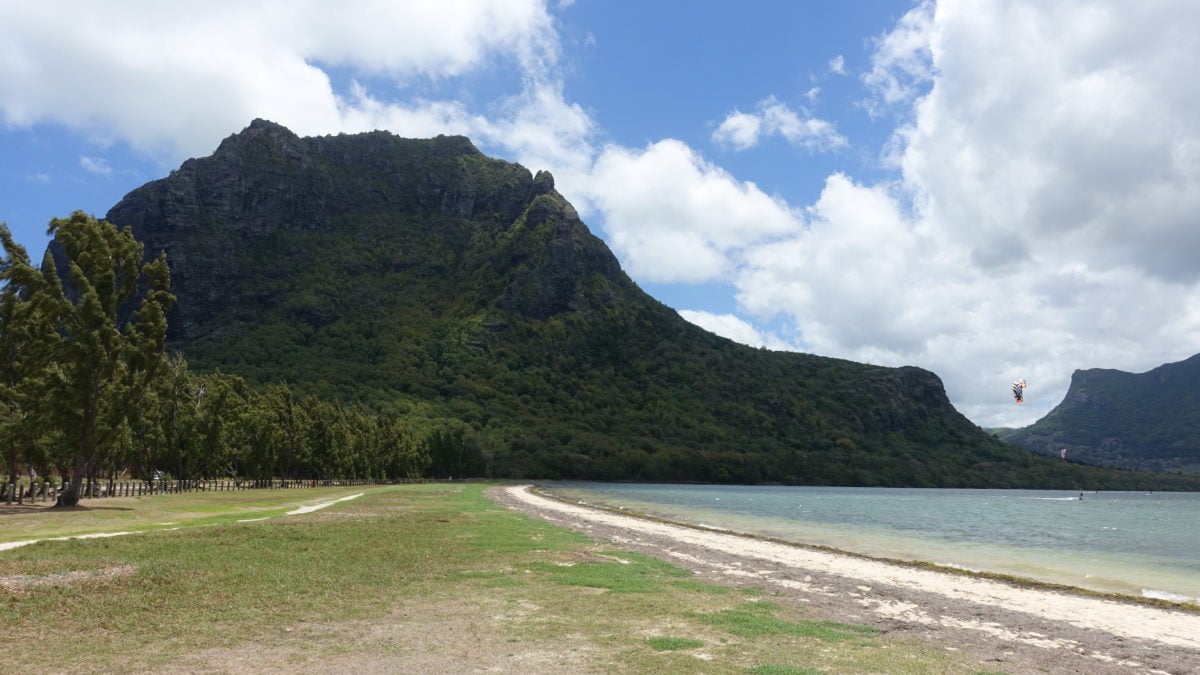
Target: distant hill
column 422, row 278
column 1145, row 421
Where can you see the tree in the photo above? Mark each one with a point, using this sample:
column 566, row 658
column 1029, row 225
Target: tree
column 215, row 400
column 112, row 321
column 400, row 455
column 25, row 333
column 453, row 450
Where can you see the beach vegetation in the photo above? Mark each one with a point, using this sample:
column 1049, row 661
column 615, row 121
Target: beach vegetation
column 663, row 643
column 615, row 572
column 707, row 588
column 775, row 669
column 754, row 619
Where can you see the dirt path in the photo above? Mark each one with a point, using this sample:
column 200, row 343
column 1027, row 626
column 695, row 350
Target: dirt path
column 1015, row 628
column 9, row 545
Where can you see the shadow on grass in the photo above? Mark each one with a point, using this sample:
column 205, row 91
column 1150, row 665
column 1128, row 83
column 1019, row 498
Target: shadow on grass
column 36, row 509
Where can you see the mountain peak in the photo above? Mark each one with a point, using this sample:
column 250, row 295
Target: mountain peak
column 421, row 276
column 260, row 131
column 1145, row 421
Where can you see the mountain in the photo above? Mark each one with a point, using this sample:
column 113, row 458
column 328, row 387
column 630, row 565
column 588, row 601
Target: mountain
column 422, row 278
column 1146, row 421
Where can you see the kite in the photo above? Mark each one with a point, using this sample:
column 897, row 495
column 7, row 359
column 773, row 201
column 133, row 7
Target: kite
column 1018, row 388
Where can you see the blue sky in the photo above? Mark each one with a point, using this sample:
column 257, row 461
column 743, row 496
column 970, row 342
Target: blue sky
column 989, row 189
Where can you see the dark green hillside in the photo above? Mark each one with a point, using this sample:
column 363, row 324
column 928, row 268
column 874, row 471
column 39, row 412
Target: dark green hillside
column 1146, row 421
column 422, row 278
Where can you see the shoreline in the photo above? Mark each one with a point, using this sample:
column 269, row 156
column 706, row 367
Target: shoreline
column 1101, row 550
column 1157, row 599
column 1028, row 625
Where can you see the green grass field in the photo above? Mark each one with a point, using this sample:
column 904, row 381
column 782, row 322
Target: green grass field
column 411, row 578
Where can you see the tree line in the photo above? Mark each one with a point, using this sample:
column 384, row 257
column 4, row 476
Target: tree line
column 87, row 388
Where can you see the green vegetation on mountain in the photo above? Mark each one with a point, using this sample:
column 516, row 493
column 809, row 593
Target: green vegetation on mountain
column 1145, row 421
column 425, row 281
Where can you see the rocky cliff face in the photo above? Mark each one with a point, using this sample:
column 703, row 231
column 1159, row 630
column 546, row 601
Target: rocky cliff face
column 217, row 217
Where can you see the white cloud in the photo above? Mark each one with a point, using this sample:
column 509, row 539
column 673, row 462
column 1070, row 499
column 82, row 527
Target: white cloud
column 1086, row 147
column 843, row 277
column 174, row 78
column 739, row 130
column 736, row 329
column 838, row 65
column 902, row 63
column 671, row 216
column 742, row 131
column 96, row 165
column 1044, row 217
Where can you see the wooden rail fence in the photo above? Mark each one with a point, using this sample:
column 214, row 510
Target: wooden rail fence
column 48, row 490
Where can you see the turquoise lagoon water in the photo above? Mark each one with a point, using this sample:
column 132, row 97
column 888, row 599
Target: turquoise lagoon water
column 1133, row 543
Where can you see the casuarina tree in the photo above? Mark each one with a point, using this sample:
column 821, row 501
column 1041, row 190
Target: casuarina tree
column 112, row 321
column 25, row 334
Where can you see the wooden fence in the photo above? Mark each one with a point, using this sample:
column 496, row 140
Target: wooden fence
column 48, row 490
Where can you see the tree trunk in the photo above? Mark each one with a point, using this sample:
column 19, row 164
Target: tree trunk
column 69, row 497
column 12, row 475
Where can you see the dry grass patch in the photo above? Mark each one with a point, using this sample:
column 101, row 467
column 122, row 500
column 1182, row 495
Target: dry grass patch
column 15, row 583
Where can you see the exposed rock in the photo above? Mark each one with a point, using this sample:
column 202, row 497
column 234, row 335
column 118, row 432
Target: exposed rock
column 214, row 216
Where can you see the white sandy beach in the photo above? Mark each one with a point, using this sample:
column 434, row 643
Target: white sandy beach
column 1019, row 623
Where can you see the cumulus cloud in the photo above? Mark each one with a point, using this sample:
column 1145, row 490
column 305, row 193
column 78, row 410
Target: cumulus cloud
column 837, row 65
column 742, row 131
column 1089, row 146
column 739, row 130
column 902, row 63
column 174, row 78
column 1043, row 215
column 672, row 216
column 736, row 329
